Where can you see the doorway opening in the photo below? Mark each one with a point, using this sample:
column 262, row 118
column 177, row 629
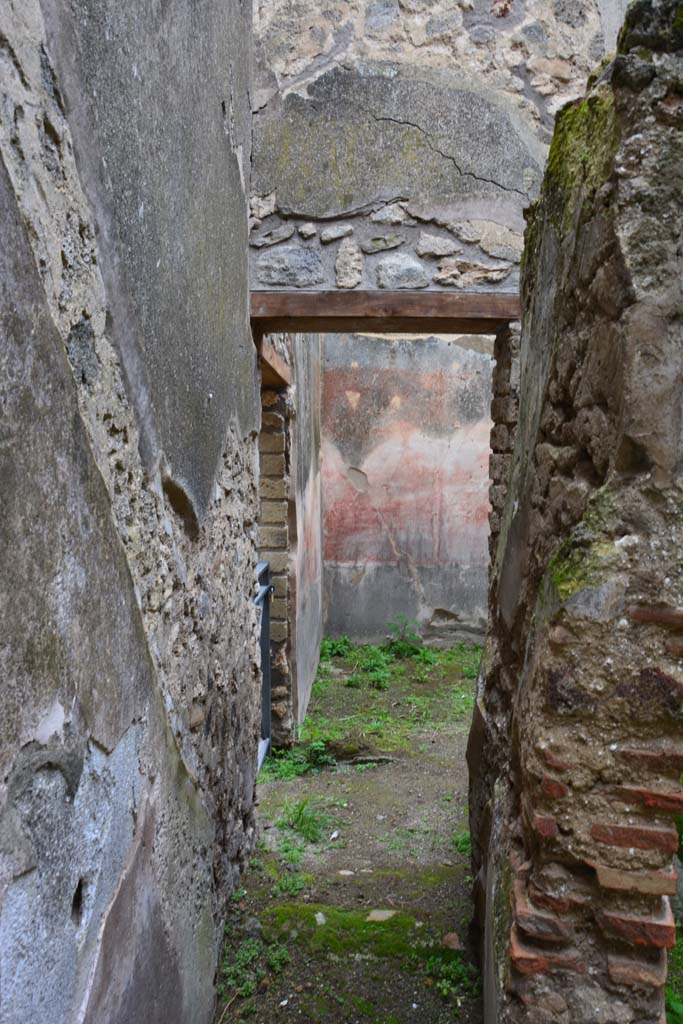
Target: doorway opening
column 375, row 487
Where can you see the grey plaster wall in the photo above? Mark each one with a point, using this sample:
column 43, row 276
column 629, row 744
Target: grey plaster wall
column 397, row 142
column 130, row 706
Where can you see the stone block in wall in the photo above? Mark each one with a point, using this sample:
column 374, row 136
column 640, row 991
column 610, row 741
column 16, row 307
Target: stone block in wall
column 273, row 465
column 279, row 560
column 279, row 631
column 271, row 443
column 272, row 490
column 278, row 608
column 504, row 410
column 272, row 421
column 272, row 537
column 273, row 512
column 280, row 585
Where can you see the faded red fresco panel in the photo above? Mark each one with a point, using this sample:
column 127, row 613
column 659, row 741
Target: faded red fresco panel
column 405, row 479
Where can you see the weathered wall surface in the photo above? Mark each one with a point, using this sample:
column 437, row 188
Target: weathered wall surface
column 406, row 426
column 397, row 142
column 130, row 701
column 290, row 529
column 307, row 568
column 576, row 748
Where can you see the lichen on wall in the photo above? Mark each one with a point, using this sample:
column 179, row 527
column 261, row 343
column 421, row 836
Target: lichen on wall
column 575, row 752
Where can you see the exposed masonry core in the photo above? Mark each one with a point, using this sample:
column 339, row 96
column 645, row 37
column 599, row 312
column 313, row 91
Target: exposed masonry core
column 397, row 142
column 504, row 416
column 130, row 702
column 576, row 752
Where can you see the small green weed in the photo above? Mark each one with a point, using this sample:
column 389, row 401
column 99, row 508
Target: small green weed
column 453, row 978
column 305, row 819
column 240, row 970
column 289, row 764
column 290, row 885
column 674, row 988
column 462, row 841
column 405, row 642
column 278, row 957
column 290, row 851
column 335, row 648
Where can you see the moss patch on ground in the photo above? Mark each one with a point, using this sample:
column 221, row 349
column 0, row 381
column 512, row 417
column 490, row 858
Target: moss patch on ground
column 368, row 812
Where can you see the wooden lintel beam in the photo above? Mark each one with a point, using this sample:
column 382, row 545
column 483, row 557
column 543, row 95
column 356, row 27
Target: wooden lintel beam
column 275, row 372
column 392, row 312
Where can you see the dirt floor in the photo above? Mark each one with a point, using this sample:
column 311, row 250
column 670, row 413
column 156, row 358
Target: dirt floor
column 356, row 905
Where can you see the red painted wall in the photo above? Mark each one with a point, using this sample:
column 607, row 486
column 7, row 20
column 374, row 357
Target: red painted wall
column 405, row 483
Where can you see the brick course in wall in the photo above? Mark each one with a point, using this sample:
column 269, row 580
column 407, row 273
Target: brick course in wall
column 273, row 546
column 576, row 745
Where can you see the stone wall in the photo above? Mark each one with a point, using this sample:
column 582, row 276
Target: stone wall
column 290, row 530
column 576, row 752
column 130, row 700
column 406, row 426
column 397, row 142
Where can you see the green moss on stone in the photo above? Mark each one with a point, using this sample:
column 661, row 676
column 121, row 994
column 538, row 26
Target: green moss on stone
column 588, row 554
column 581, row 154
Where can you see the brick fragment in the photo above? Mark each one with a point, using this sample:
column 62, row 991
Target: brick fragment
column 657, row 931
column 545, row 826
column 641, row 837
column 654, row 799
column 529, row 960
column 637, row 973
column 553, row 761
column 553, row 788
column 665, row 762
column 646, row 883
column 660, row 615
column 545, row 927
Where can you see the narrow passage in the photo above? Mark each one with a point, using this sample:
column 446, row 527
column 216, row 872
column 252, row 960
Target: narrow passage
column 356, row 905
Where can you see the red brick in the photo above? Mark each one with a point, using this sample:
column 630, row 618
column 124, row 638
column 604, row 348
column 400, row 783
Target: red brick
column 545, row 826
column 624, row 970
column 647, row 883
column 528, row 960
column 536, row 924
column 641, row 931
column 667, row 762
column 642, row 837
column 654, row 799
column 660, row 615
column 553, row 761
column 553, row 788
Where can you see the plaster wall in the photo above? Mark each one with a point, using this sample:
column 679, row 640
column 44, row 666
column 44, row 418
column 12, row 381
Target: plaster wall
column 397, row 142
column 130, row 704
column 406, row 428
